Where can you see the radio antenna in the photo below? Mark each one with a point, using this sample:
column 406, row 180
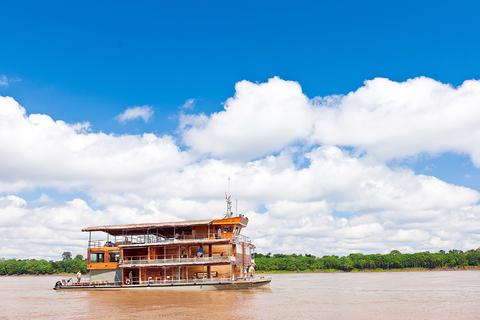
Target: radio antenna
column 228, row 199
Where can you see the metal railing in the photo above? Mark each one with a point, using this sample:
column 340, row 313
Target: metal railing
column 241, row 238
column 151, row 238
column 142, row 239
column 136, row 281
column 187, row 281
column 143, row 260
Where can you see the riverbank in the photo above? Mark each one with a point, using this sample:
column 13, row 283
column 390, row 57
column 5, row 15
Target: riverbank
column 355, row 262
column 395, row 261
column 42, row 267
column 467, row 268
column 42, row 275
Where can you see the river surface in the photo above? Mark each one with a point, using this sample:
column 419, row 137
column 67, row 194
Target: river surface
column 396, row 295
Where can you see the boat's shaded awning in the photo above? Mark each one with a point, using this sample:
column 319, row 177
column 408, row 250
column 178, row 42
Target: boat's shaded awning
column 143, row 228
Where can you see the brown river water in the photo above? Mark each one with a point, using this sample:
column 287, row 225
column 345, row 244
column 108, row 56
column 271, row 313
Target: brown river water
column 398, row 295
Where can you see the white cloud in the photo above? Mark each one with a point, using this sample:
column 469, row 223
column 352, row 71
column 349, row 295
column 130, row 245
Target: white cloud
column 259, row 119
column 386, row 119
column 189, row 104
column 3, row 80
column 335, row 202
column 38, row 151
column 389, row 119
column 6, row 81
column 144, row 112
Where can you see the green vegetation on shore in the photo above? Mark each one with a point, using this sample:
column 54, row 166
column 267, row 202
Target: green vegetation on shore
column 395, row 260
column 33, row 266
column 281, row 263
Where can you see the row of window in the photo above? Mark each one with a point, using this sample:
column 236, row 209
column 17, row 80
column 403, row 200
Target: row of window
column 96, row 257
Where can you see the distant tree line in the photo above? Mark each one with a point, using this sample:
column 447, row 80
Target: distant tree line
column 34, row 266
column 453, row 259
column 357, row 261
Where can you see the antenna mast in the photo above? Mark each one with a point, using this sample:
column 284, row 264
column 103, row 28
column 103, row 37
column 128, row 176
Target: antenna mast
column 228, row 198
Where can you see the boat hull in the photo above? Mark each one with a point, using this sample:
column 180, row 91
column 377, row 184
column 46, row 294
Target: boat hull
column 230, row 285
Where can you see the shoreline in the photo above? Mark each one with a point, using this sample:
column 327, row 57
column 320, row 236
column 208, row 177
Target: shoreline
column 40, row 275
column 470, row 268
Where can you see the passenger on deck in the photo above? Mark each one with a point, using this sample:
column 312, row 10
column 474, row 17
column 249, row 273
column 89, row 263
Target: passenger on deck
column 79, row 276
column 200, row 252
column 251, row 271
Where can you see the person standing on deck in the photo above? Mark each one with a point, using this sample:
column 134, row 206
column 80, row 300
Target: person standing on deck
column 130, row 277
column 79, row 276
column 251, row 271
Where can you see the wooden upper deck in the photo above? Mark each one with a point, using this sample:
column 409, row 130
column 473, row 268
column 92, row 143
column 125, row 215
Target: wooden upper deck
column 167, row 228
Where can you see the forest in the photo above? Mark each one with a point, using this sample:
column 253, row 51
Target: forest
column 453, row 259
column 37, row 267
column 395, row 260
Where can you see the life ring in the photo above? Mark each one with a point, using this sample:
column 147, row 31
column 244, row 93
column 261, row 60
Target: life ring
column 127, row 281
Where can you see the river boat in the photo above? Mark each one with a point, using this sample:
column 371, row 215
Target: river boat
column 197, row 254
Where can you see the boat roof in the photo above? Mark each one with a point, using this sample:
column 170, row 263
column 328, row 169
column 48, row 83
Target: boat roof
column 142, row 227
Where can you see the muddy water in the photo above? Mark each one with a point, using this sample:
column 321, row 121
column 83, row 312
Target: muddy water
column 406, row 295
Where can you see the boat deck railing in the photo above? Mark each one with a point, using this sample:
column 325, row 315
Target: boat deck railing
column 136, row 282
column 153, row 238
column 143, row 260
column 185, row 281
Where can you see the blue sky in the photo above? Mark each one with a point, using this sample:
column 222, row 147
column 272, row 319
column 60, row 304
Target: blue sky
column 92, row 60
column 89, row 62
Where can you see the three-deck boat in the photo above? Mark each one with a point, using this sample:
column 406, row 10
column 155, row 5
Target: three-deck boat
column 205, row 254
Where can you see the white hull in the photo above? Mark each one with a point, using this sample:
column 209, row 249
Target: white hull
column 211, row 285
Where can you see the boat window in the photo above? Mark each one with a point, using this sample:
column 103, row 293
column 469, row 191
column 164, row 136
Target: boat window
column 97, row 257
column 114, row 256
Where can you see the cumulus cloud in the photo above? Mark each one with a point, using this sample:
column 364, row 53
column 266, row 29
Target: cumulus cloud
column 385, row 119
column 144, row 112
column 39, row 151
column 300, row 189
column 259, row 119
column 389, row 119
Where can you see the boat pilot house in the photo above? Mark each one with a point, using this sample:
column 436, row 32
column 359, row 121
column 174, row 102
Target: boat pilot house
column 184, row 252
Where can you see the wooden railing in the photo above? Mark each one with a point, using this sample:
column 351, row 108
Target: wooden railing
column 143, row 260
column 150, row 238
